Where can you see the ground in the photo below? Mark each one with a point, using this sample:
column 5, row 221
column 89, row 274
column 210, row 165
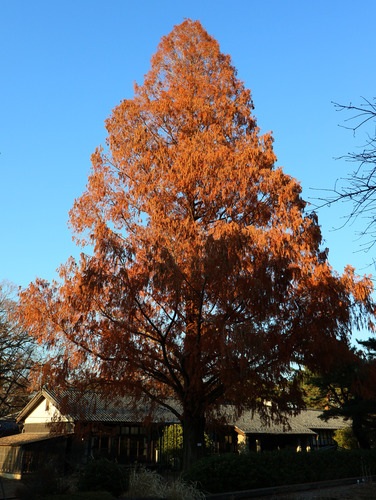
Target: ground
column 363, row 491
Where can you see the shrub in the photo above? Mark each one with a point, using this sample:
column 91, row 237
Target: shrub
column 103, row 475
column 39, row 484
column 146, row 483
column 171, row 445
column 180, row 490
column 233, row 472
column 345, row 438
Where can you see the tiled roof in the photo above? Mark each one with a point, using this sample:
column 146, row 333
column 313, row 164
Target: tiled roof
column 311, row 418
column 306, row 422
column 25, row 438
column 253, row 424
column 91, row 407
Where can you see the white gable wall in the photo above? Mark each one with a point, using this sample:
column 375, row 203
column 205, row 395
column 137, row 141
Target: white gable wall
column 45, row 412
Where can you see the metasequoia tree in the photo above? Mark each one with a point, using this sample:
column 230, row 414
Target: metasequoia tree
column 206, row 279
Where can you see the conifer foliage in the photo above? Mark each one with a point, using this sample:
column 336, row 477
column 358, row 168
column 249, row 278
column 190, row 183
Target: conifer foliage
column 206, row 278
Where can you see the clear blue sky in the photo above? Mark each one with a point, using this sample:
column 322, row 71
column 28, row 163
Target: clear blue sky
column 65, row 64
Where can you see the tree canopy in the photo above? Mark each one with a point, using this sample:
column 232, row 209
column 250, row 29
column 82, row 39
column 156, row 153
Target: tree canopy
column 347, row 389
column 206, row 278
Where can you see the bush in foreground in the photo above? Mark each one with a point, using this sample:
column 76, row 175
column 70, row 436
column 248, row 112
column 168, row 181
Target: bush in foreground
column 39, row 484
column 103, row 475
column 232, row 472
column 146, row 483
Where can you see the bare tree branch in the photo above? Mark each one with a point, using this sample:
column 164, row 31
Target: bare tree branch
column 17, row 355
column 358, row 188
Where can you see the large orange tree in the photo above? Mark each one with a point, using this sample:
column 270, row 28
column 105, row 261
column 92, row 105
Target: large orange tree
column 205, row 278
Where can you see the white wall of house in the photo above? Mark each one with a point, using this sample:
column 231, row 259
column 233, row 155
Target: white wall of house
column 45, row 412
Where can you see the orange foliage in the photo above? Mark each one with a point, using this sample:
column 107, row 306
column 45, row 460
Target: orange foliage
column 207, row 279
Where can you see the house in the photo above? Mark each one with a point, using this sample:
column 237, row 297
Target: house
column 305, row 431
column 68, row 428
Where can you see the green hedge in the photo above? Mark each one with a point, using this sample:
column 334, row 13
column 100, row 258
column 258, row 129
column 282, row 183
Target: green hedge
column 233, row 472
column 103, row 475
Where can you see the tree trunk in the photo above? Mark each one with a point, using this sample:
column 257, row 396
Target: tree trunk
column 193, row 439
column 360, row 433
